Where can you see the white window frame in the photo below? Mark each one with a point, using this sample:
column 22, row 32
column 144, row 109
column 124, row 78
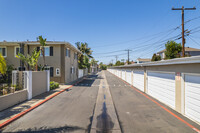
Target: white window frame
column 68, row 52
column 15, row 50
column 45, row 51
column 68, row 55
column 5, row 50
column 57, row 71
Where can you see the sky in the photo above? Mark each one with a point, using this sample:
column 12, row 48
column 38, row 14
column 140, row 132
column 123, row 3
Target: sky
column 108, row 26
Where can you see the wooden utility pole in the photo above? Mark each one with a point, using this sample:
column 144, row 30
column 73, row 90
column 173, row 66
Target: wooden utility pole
column 116, row 58
column 128, row 54
column 183, row 31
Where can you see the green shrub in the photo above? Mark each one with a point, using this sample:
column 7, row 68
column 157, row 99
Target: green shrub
column 53, row 85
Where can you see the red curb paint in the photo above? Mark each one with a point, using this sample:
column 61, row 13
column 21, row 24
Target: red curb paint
column 195, row 129
column 35, row 106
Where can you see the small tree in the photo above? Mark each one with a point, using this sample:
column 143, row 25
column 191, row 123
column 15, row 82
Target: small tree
column 102, row 66
column 172, row 50
column 30, row 60
column 3, row 67
column 156, row 57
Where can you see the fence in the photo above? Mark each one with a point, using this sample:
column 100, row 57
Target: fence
column 32, row 83
column 82, row 72
column 175, row 83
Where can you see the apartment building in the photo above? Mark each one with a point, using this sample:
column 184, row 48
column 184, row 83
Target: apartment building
column 60, row 57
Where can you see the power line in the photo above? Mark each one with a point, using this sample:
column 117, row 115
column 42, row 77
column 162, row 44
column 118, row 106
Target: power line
column 142, row 46
column 194, row 41
column 123, row 42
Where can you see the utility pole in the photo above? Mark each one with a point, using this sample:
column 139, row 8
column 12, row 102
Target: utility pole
column 116, row 57
column 128, row 54
column 183, row 31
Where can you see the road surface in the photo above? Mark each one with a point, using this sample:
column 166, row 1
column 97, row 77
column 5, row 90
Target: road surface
column 100, row 103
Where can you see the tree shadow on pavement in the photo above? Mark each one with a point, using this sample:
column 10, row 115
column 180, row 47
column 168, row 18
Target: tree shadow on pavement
column 88, row 81
column 51, row 130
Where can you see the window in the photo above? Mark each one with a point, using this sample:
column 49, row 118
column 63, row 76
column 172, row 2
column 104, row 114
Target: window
column 3, row 51
column 57, row 71
column 72, row 70
column 68, row 52
column 75, row 56
column 51, row 71
column 17, row 50
column 46, row 51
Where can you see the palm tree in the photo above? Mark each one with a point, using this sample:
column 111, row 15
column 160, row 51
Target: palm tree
column 43, row 44
column 83, row 59
column 93, row 62
column 3, row 67
column 83, row 47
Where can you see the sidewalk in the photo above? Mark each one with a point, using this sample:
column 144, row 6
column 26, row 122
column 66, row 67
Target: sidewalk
column 13, row 111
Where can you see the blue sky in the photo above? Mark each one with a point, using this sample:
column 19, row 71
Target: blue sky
column 106, row 25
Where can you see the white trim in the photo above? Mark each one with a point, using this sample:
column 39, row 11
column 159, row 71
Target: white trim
column 15, row 50
column 29, row 84
column 58, row 70
column 5, row 50
column 182, row 93
column 48, row 80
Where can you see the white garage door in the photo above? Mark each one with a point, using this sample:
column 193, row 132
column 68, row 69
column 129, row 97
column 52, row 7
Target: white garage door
column 118, row 73
column 138, row 80
column 162, row 87
column 192, row 96
column 123, row 74
column 129, row 77
column 115, row 72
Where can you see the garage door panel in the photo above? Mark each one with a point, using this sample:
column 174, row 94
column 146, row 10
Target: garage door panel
column 162, row 86
column 159, row 86
column 123, row 75
column 129, row 77
column 164, row 94
column 193, row 114
column 192, row 96
column 163, row 99
column 195, row 87
column 170, row 96
column 138, row 80
column 159, row 89
column 162, row 80
column 191, row 101
column 161, row 75
column 194, row 106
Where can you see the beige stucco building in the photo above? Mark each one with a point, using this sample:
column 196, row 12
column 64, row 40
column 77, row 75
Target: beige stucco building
column 60, row 57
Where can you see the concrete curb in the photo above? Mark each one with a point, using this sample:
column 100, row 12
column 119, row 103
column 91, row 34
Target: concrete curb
column 189, row 125
column 36, row 105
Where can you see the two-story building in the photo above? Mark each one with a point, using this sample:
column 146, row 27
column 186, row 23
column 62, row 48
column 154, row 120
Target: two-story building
column 60, row 57
column 188, row 51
